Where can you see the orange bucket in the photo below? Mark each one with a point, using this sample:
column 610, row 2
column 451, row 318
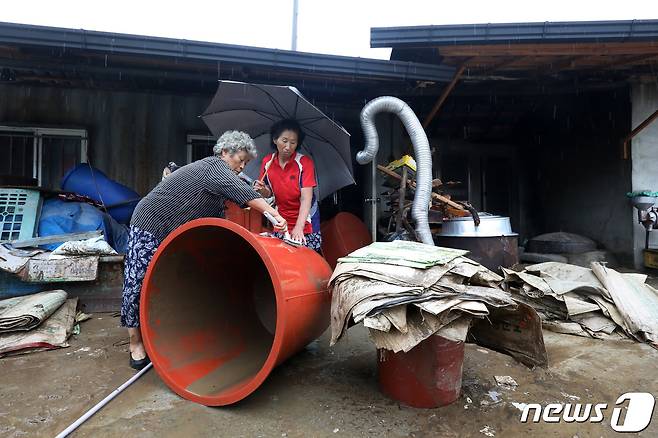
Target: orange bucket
column 427, row 376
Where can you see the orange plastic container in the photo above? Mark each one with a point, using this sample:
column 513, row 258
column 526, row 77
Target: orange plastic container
column 427, row 376
column 247, row 217
column 221, row 307
column 341, row 235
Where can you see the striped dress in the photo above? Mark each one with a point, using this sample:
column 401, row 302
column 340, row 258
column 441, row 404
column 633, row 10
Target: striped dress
column 191, row 192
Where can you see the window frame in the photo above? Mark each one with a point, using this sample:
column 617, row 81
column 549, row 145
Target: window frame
column 37, row 146
column 190, row 143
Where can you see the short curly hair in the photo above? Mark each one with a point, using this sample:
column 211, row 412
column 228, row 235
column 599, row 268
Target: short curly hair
column 234, row 142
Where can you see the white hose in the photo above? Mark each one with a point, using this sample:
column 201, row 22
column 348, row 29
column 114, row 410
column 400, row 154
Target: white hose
column 103, row 402
column 420, row 207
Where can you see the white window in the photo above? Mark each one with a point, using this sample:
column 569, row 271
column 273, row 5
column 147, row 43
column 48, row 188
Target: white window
column 199, row 146
column 43, row 155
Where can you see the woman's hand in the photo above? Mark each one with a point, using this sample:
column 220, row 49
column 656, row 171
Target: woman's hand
column 281, row 225
column 261, row 188
column 298, row 234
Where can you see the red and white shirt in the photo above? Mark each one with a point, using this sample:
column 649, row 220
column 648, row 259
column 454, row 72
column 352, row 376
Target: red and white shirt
column 286, row 184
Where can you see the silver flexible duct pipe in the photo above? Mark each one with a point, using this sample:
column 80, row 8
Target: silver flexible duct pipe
column 419, row 210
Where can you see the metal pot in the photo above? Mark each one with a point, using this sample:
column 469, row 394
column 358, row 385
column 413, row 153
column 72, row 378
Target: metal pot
column 490, row 226
column 492, row 243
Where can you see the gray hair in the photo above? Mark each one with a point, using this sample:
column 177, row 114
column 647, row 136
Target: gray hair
column 233, row 142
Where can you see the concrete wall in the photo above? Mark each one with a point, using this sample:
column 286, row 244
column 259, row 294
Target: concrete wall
column 575, row 172
column 644, row 100
column 132, row 135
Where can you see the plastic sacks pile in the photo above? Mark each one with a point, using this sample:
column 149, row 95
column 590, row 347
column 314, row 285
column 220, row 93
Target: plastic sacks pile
column 41, row 321
column 405, row 292
column 598, row 302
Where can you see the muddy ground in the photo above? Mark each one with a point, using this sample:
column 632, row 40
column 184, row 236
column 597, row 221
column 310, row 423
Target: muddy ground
column 323, row 391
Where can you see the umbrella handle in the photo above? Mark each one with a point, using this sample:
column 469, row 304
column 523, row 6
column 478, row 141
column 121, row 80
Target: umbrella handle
column 267, row 169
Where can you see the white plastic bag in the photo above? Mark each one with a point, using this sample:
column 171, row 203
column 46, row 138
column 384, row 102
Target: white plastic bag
column 95, row 245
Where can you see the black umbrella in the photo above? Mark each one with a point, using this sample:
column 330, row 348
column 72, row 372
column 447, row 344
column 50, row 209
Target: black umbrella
column 253, row 108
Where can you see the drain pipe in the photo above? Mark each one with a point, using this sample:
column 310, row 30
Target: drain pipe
column 419, row 210
column 373, row 202
column 66, row 432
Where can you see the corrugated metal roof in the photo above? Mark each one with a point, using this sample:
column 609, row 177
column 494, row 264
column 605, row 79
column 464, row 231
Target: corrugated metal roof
column 511, row 33
column 124, row 44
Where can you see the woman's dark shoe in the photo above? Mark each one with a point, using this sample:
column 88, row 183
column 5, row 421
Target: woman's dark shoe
column 139, row 364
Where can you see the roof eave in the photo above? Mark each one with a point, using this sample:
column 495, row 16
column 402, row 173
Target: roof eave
column 515, row 33
column 125, row 44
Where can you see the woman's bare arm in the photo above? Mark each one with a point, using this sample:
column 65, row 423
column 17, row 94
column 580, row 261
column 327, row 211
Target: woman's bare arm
column 304, row 208
column 260, row 205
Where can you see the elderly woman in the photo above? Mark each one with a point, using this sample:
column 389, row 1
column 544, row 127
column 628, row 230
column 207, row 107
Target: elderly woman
column 290, row 177
column 191, row 192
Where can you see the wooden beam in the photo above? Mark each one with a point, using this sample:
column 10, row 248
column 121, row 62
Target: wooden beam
column 36, row 241
column 487, row 69
column 623, row 61
column 560, row 64
column 55, row 271
column 637, row 130
column 542, row 49
column 444, row 96
column 411, row 184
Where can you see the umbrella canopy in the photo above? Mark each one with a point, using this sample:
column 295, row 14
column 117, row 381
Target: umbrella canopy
column 253, row 108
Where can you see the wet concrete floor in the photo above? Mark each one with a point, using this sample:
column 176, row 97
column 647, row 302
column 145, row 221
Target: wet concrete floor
column 323, row 392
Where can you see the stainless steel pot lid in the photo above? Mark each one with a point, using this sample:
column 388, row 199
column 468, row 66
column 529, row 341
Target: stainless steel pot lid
column 490, row 226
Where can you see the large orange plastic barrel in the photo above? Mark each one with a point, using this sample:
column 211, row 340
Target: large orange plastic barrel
column 427, row 376
column 341, row 235
column 249, row 218
column 221, row 307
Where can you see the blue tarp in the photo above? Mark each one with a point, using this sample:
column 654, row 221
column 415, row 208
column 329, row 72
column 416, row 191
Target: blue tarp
column 60, row 217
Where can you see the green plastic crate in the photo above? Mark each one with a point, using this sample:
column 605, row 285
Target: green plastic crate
column 19, row 210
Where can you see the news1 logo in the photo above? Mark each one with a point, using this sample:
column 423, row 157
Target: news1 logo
column 638, row 413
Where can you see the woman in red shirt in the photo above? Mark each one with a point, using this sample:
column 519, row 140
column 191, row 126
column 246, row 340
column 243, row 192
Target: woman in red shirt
column 290, row 177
